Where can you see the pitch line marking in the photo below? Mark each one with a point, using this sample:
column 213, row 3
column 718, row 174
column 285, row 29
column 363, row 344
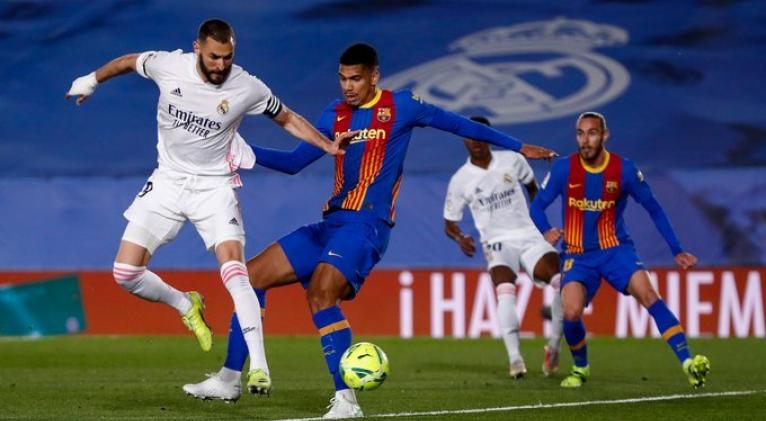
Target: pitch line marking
column 553, row 405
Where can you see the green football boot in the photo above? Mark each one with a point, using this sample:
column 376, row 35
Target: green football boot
column 259, row 382
column 194, row 319
column 577, row 377
column 696, row 370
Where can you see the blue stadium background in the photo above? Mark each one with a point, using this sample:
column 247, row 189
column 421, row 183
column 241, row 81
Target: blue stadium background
column 689, row 109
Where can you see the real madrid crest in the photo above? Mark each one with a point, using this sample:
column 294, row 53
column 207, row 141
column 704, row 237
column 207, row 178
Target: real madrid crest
column 223, row 107
column 507, row 178
column 611, row 186
column 384, row 114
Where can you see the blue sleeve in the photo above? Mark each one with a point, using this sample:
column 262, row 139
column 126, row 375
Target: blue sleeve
column 287, row 162
column 550, row 188
column 642, row 193
column 425, row 114
column 299, row 158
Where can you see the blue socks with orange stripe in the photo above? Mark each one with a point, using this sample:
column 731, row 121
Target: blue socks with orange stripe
column 236, row 351
column 670, row 328
column 335, row 334
column 574, row 332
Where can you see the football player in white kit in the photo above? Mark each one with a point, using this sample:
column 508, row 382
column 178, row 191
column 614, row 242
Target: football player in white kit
column 489, row 184
column 203, row 98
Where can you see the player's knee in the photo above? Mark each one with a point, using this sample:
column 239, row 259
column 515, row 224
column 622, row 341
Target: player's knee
column 648, row 298
column 572, row 313
column 320, row 299
column 126, row 275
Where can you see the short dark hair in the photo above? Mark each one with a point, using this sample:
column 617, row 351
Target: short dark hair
column 360, row 53
column 481, row 119
column 216, row 29
column 593, row 114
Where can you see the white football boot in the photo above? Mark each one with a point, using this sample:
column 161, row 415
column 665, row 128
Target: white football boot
column 214, row 389
column 344, row 405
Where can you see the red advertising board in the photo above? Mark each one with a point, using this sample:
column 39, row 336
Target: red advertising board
column 720, row 302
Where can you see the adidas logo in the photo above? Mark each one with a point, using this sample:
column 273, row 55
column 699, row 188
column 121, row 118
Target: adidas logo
column 234, row 221
column 176, row 92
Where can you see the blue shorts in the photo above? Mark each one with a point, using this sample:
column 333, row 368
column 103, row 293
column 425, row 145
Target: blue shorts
column 616, row 265
column 352, row 242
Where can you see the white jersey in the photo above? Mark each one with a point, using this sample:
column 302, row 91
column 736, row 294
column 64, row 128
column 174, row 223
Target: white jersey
column 498, row 206
column 197, row 121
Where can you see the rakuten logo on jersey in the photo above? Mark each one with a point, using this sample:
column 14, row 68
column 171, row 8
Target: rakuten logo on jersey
column 192, row 123
column 588, row 205
column 366, row 134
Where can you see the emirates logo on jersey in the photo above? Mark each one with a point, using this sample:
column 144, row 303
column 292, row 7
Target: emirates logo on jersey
column 223, row 107
column 384, row 114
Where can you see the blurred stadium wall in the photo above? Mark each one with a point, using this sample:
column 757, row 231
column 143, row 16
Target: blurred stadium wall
column 683, row 96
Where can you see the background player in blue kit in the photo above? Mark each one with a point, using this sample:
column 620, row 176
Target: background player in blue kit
column 332, row 258
column 594, row 185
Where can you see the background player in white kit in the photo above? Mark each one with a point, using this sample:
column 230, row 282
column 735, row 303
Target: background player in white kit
column 489, row 183
column 203, row 98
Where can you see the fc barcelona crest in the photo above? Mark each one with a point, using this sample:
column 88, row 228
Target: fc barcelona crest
column 611, row 186
column 384, row 114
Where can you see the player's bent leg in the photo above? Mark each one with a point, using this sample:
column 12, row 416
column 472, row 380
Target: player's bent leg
column 574, row 297
column 326, row 289
column 235, row 277
column 131, row 274
column 547, row 269
column 504, row 278
column 697, row 368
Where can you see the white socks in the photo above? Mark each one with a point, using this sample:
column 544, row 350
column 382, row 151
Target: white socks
column 557, row 314
column 346, row 394
column 146, row 284
column 228, row 375
column 234, row 276
column 508, row 319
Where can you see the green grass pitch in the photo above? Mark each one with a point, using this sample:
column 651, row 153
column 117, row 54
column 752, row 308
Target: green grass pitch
column 136, row 378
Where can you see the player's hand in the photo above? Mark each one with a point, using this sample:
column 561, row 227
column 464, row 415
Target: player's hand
column 553, row 236
column 537, row 152
column 83, row 86
column 467, row 245
column 685, row 260
column 339, row 145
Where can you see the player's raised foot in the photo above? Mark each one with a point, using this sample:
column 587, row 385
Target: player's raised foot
column 341, row 407
column 550, row 361
column 696, row 370
column 577, row 377
column 214, row 389
column 259, row 382
column 518, row 369
column 194, row 319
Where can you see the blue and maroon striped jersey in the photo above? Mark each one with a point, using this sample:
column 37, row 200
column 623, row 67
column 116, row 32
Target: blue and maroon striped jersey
column 593, row 202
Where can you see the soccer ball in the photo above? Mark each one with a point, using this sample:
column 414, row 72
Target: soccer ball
column 364, row 366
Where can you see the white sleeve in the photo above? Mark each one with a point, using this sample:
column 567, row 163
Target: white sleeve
column 150, row 63
column 455, row 201
column 262, row 100
column 524, row 171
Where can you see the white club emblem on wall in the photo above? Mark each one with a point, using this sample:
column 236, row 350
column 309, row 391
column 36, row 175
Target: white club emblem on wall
column 522, row 73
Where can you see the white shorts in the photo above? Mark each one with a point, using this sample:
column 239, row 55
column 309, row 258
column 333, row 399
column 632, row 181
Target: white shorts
column 522, row 250
column 168, row 200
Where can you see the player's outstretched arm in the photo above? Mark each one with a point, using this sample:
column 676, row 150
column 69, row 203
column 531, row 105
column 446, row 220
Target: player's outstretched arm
column 297, row 126
column 291, row 162
column 84, row 86
column 465, row 241
column 461, row 126
column 642, row 193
